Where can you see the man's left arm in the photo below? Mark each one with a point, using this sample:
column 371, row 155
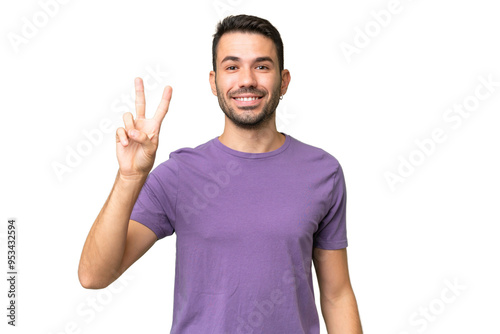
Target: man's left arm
column 338, row 303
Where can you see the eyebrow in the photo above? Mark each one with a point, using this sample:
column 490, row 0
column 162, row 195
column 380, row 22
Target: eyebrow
column 261, row 59
column 257, row 60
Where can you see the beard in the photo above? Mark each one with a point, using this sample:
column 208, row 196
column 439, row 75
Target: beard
column 250, row 120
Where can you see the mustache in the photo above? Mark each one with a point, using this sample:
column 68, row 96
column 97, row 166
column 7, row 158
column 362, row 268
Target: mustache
column 247, row 91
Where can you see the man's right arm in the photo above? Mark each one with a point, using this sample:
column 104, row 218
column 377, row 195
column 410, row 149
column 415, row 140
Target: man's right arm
column 115, row 242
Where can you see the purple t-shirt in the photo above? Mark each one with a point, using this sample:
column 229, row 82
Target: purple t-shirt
column 246, row 225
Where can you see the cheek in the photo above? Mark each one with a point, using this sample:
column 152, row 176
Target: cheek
column 273, row 84
column 226, row 81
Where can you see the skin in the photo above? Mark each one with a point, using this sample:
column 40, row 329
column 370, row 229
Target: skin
column 338, row 302
column 247, row 64
column 114, row 241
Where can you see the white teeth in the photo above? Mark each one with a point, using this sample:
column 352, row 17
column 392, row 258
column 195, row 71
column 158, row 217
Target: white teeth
column 246, row 98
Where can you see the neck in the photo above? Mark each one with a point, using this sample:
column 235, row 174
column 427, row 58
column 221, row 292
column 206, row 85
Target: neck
column 260, row 140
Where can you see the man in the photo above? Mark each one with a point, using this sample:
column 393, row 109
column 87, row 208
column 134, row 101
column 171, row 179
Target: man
column 252, row 208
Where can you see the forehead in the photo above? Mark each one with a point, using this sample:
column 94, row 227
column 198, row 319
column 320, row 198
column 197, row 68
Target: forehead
column 245, row 45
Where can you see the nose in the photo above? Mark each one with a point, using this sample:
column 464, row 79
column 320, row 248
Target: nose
column 247, row 78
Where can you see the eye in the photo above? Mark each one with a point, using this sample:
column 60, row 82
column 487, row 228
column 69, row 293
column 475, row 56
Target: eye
column 262, row 67
column 231, row 68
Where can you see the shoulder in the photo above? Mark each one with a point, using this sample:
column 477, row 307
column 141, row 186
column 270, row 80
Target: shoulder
column 314, row 154
column 186, row 157
column 189, row 153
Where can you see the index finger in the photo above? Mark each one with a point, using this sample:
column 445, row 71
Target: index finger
column 164, row 103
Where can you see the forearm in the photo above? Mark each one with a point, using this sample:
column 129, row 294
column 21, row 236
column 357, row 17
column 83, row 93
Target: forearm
column 105, row 244
column 341, row 314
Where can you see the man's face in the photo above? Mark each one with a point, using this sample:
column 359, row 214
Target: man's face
column 248, row 82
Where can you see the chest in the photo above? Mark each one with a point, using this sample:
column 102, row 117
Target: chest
column 249, row 208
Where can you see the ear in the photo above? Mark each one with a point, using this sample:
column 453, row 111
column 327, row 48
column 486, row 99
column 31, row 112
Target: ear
column 285, row 81
column 212, row 83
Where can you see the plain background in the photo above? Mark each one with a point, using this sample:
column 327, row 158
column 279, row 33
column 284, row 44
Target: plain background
column 439, row 225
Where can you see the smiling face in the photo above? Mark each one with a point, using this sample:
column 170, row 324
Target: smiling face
column 248, row 82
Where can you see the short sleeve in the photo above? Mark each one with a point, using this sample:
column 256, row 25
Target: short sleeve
column 331, row 233
column 156, row 205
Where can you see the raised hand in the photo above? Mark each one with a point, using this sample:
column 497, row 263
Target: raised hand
column 136, row 144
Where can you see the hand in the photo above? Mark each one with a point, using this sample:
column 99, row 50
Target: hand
column 136, row 144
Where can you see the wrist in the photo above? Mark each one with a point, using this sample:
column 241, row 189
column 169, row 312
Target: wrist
column 132, row 178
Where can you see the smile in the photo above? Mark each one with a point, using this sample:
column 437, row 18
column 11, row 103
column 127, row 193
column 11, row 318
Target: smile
column 247, row 101
column 246, row 98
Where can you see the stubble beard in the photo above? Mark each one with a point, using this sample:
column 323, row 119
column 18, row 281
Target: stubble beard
column 248, row 120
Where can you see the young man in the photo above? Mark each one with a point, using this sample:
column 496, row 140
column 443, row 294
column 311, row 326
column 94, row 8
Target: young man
column 252, row 208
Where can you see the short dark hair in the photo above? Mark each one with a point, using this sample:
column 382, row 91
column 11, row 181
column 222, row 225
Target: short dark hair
column 250, row 24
